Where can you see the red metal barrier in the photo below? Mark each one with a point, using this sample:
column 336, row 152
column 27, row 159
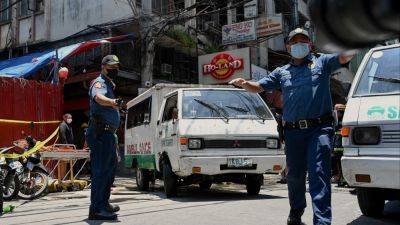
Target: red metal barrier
column 28, row 100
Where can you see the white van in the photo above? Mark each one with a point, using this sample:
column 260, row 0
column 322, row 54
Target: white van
column 192, row 134
column 371, row 130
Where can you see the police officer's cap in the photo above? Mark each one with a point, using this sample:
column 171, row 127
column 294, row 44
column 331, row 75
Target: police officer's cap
column 110, row 60
column 297, row 31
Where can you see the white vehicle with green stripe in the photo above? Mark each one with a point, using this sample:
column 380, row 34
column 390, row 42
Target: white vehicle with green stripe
column 371, row 130
column 192, row 134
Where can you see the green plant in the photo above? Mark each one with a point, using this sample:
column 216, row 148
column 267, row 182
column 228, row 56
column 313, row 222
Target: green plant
column 181, row 36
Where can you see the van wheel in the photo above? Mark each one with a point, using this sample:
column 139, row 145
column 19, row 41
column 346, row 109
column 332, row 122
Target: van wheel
column 254, row 183
column 370, row 201
column 170, row 181
column 142, row 179
column 205, row 185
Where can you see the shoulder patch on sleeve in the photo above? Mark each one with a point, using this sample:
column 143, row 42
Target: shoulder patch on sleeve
column 98, row 85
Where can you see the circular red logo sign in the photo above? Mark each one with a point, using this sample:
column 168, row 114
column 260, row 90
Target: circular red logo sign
column 222, row 66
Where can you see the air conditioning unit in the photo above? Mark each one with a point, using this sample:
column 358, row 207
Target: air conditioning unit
column 208, row 24
column 166, row 68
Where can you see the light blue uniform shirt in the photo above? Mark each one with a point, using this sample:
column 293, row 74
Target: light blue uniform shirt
column 305, row 88
column 107, row 113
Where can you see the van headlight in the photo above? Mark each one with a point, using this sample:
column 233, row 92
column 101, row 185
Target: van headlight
column 195, row 143
column 366, row 135
column 272, row 143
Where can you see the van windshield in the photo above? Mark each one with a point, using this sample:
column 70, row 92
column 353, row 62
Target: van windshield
column 223, row 103
column 381, row 74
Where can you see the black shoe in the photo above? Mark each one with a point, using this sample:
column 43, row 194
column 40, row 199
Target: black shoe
column 112, row 208
column 102, row 215
column 295, row 217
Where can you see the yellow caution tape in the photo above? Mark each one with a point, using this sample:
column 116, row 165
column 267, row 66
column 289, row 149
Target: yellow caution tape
column 28, row 122
column 37, row 147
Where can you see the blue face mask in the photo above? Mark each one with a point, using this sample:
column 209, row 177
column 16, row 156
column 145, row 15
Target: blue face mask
column 299, row 50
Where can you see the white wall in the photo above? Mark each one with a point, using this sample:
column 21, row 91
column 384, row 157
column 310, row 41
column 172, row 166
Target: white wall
column 71, row 16
column 40, row 26
column 25, row 25
column 5, row 30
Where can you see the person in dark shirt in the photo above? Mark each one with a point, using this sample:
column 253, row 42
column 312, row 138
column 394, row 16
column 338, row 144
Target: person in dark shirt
column 66, row 134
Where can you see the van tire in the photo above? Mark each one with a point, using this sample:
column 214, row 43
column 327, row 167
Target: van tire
column 142, row 179
column 370, row 201
column 170, row 181
column 205, row 185
column 254, row 183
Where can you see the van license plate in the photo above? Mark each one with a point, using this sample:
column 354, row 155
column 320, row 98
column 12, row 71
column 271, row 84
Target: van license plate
column 239, row 162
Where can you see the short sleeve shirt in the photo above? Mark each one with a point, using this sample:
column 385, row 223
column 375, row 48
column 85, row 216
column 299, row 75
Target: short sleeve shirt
column 108, row 114
column 305, row 87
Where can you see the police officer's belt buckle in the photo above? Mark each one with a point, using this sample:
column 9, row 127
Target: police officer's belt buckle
column 303, row 124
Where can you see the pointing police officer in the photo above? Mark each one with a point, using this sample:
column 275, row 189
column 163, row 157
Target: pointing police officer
column 307, row 116
column 104, row 122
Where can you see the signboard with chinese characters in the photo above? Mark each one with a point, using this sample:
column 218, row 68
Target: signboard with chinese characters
column 251, row 9
column 222, row 67
column 267, row 26
column 239, row 32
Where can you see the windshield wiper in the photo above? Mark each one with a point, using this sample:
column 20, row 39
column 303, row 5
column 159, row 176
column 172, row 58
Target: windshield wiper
column 214, row 108
column 252, row 103
column 239, row 109
column 387, row 79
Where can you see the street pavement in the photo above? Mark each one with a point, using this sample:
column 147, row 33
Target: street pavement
column 224, row 204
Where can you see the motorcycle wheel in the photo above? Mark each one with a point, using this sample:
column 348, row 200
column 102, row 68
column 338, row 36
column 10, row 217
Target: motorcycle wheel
column 35, row 186
column 12, row 191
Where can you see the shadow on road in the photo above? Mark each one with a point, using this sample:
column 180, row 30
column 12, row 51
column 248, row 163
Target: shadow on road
column 194, row 194
column 391, row 216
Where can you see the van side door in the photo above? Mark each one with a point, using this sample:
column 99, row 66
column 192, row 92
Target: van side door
column 167, row 128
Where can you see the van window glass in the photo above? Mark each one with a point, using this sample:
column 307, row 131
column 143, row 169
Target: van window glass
column 234, row 104
column 137, row 114
column 170, row 105
column 381, row 75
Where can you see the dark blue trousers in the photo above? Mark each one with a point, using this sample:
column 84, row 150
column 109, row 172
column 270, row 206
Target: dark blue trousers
column 310, row 150
column 103, row 164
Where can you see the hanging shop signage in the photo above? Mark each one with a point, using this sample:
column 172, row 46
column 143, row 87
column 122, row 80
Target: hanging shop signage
column 222, row 67
column 270, row 25
column 251, row 9
column 239, row 32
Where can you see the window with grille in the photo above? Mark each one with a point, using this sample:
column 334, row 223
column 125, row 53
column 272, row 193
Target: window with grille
column 5, row 11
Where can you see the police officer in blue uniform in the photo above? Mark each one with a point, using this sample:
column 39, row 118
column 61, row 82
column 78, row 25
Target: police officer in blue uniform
column 103, row 124
column 307, row 121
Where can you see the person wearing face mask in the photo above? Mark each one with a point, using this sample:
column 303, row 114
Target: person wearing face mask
column 66, row 135
column 103, row 124
column 307, row 122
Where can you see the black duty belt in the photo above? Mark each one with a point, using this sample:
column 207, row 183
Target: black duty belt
column 100, row 124
column 307, row 123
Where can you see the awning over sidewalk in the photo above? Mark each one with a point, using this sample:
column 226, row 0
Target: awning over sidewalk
column 27, row 65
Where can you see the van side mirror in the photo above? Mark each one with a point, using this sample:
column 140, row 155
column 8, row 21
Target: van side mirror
column 158, row 122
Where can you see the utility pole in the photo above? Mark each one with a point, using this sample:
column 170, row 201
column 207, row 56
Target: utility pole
column 148, row 43
column 295, row 13
column 231, row 18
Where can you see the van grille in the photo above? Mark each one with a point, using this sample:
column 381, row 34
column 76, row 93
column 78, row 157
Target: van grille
column 235, row 144
column 390, row 136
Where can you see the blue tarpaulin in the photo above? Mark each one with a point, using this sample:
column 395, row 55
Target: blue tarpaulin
column 27, row 65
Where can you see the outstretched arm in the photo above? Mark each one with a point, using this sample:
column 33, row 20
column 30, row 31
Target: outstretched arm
column 270, row 82
column 247, row 85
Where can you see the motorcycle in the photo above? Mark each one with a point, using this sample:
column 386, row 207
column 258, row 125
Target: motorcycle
column 9, row 170
column 33, row 181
